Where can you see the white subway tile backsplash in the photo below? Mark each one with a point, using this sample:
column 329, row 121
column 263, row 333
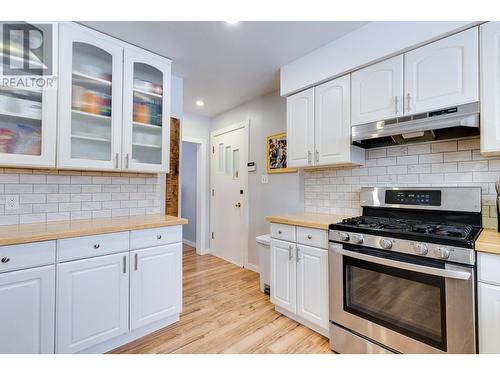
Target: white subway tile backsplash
column 430, row 158
column 446, row 163
column 458, row 156
column 50, row 195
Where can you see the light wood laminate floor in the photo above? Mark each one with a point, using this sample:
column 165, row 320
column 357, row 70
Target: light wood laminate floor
column 225, row 312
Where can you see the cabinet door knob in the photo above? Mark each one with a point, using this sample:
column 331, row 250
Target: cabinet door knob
column 5, row 260
column 96, row 246
column 309, row 237
column 280, row 232
column 158, row 237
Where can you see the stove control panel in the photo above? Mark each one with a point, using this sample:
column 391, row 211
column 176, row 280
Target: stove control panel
column 428, row 250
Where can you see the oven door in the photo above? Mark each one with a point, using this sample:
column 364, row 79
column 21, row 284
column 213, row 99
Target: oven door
column 405, row 303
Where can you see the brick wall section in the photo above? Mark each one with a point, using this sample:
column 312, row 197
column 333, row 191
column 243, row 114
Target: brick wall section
column 447, row 163
column 51, row 195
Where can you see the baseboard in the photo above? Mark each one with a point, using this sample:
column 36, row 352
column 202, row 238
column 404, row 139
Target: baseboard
column 204, row 252
column 189, row 243
column 322, row 331
column 130, row 336
column 253, row 267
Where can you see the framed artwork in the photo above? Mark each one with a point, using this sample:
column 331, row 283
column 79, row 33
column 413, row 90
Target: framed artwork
column 276, row 154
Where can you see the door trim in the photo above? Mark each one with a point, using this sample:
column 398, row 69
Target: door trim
column 246, row 125
column 201, row 192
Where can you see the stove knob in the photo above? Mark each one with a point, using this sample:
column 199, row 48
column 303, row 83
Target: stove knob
column 343, row 236
column 385, row 243
column 421, row 248
column 357, row 238
column 442, row 252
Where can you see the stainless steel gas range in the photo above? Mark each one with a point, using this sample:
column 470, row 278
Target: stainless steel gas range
column 402, row 275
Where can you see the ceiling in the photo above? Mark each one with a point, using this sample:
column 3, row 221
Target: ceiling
column 223, row 64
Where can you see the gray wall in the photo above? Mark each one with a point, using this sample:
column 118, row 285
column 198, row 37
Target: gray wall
column 188, row 189
column 196, row 126
column 284, row 192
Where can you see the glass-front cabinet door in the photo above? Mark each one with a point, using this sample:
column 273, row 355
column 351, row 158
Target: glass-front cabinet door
column 28, row 94
column 146, row 112
column 90, row 100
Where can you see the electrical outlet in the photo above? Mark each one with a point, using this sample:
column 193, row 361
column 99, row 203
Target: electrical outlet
column 11, row 202
column 265, row 179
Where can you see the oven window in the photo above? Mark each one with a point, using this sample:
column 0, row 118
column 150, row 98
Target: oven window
column 407, row 302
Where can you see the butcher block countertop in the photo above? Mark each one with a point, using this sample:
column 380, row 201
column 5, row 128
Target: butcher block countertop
column 24, row 233
column 488, row 241
column 307, row 219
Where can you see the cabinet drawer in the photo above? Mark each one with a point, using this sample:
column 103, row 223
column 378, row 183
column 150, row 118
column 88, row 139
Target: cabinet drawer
column 283, row 232
column 488, row 268
column 140, row 239
column 16, row 257
column 91, row 246
column 312, row 237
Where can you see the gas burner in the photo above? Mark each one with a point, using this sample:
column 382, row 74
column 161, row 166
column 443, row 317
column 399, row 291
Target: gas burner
column 457, row 231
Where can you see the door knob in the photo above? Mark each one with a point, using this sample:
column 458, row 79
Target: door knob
column 237, row 205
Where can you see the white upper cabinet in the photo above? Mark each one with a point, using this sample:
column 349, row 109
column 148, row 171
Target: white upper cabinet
column 377, row 91
column 90, row 100
column 490, row 88
column 300, row 128
column 333, row 124
column 27, row 300
column 443, row 73
column 28, row 112
column 146, row 112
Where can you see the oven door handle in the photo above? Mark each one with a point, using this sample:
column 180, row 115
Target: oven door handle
column 451, row 274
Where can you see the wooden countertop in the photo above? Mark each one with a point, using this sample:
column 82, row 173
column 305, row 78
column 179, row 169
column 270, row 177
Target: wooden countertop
column 24, row 233
column 306, row 219
column 488, row 241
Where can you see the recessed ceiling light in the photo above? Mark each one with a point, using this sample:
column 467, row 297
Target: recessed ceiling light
column 200, row 103
column 232, row 22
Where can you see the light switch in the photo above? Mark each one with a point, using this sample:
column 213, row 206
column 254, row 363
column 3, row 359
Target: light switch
column 265, row 178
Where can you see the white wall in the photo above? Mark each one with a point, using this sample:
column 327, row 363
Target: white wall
column 374, row 41
column 196, row 126
column 188, row 189
column 284, row 192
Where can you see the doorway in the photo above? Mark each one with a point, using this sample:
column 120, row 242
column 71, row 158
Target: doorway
column 229, row 194
column 193, row 192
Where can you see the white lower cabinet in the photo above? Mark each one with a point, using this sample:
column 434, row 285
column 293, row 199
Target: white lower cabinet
column 27, row 300
column 92, row 301
column 312, row 277
column 488, row 290
column 283, row 275
column 489, row 318
column 155, row 284
column 299, row 280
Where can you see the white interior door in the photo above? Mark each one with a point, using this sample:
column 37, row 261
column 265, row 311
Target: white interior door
column 443, row 73
column 229, row 189
column 377, row 91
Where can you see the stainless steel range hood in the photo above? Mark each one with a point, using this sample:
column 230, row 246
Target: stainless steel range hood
column 451, row 122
